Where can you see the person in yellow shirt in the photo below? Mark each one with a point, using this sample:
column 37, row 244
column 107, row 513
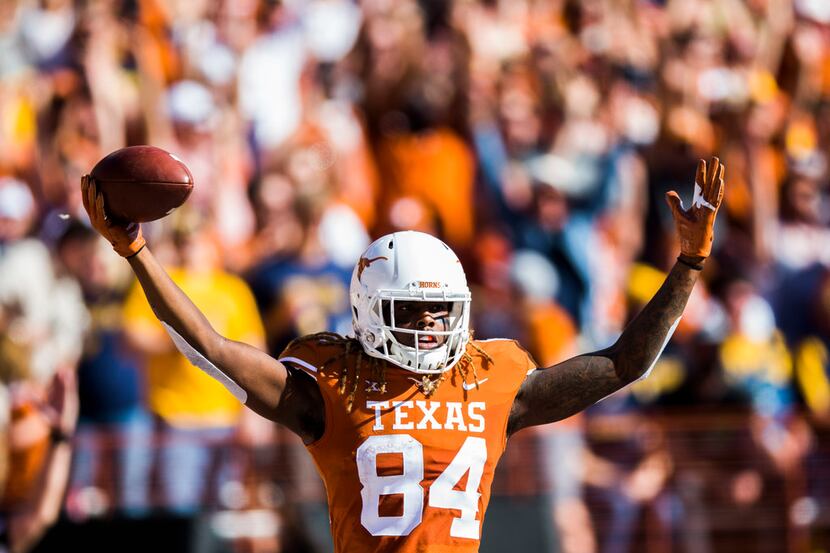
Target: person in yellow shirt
column 196, row 415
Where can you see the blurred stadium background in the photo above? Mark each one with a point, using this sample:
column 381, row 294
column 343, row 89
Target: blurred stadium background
column 537, row 137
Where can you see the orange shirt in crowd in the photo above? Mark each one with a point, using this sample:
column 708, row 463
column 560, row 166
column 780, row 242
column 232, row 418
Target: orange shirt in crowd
column 29, row 444
column 436, row 168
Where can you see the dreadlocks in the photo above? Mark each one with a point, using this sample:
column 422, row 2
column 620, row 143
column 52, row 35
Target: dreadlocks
column 466, row 364
column 427, row 385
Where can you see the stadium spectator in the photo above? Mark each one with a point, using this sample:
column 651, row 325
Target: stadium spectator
column 196, row 417
column 39, row 456
column 113, row 423
column 299, row 286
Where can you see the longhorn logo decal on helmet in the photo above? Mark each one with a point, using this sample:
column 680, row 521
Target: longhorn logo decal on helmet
column 365, row 262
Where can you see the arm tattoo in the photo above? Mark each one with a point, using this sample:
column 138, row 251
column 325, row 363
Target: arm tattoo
column 645, row 336
column 569, row 387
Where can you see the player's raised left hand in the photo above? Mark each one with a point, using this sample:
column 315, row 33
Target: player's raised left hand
column 695, row 226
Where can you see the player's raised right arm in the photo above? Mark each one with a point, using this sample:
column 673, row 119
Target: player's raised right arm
column 254, row 377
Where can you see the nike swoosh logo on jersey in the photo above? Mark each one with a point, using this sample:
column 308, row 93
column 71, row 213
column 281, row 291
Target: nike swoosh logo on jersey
column 469, row 387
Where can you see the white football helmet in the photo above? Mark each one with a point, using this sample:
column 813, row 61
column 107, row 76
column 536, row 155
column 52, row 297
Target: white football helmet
column 410, row 266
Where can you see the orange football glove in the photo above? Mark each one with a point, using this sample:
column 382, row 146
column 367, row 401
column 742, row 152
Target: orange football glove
column 695, row 226
column 126, row 240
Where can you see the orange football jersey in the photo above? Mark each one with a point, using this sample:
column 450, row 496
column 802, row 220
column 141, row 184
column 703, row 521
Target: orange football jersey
column 405, row 472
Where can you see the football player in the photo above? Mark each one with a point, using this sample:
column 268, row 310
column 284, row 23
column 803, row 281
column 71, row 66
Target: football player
column 407, row 419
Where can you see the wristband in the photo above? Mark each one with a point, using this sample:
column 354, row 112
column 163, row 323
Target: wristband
column 689, row 264
column 136, row 252
column 59, row 436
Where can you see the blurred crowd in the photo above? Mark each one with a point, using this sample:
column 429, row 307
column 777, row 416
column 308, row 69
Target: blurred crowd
column 536, row 137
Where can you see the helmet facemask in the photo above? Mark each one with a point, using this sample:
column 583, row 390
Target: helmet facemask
column 415, row 357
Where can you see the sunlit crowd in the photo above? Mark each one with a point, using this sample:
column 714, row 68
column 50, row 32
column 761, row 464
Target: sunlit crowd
column 536, row 137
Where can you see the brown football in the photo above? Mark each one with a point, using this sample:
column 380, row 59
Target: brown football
column 142, row 183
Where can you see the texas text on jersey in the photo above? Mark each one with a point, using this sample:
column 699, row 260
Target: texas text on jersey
column 407, row 470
